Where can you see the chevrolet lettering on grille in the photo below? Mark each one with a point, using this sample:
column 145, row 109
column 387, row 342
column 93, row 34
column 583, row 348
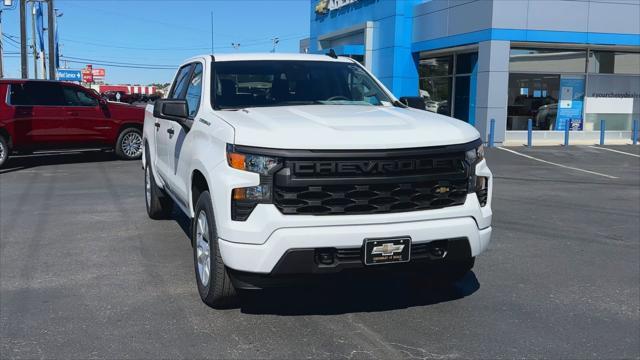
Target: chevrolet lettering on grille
column 369, row 167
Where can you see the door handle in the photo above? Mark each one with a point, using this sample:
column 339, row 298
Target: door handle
column 170, row 131
column 72, row 113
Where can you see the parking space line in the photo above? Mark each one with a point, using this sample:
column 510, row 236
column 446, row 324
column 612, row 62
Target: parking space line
column 615, row 151
column 559, row 165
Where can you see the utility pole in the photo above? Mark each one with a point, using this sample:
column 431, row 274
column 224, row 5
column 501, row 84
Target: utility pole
column 23, row 40
column 52, row 43
column 275, row 42
column 33, row 42
column 1, row 50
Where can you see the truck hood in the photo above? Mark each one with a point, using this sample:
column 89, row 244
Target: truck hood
column 339, row 127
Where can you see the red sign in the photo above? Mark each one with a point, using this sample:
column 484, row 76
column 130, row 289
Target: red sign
column 87, row 76
column 98, row 72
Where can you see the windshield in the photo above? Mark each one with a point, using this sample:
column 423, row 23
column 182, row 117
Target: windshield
column 242, row 84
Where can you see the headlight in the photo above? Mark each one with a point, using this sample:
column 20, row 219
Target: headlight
column 244, row 200
column 475, row 155
column 263, row 165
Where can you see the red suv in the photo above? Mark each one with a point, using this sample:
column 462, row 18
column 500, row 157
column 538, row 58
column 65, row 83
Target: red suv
column 50, row 115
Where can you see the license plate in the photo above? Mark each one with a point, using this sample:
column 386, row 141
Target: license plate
column 387, row 250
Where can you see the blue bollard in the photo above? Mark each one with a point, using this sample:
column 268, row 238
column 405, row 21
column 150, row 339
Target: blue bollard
column 566, row 132
column 529, row 132
column 634, row 132
column 492, row 130
column 602, row 128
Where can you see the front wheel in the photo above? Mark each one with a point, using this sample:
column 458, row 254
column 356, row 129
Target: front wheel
column 214, row 284
column 129, row 144
column 4, row 150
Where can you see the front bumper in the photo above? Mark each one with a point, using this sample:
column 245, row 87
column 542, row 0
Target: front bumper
column 264, row 257
column 258, row 244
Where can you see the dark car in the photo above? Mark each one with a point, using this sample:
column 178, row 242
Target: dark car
column 50, row 115
column 123, row 96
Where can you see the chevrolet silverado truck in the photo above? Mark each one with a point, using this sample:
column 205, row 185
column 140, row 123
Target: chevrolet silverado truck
column 38, row 115
column 295, row 165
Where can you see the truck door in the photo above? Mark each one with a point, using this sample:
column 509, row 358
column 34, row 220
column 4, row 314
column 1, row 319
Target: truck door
column 167, row 130
column 192, row 95
column 86, row 121
column 39, row 114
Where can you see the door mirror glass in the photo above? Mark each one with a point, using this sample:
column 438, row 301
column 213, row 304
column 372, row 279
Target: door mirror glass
column 172, row 109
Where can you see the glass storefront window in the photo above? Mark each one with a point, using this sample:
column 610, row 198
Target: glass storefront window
column 611, row 62
column 547, row 60
column 439, row 66
column 436, row 93
column 465, row 63
column 533, row 96
column 438, row 75
column 463, row 91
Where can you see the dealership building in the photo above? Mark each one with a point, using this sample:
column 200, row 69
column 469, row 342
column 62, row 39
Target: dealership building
column 560, row 63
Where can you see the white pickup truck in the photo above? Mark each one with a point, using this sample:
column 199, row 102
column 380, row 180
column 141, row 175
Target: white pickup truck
column 293, row 165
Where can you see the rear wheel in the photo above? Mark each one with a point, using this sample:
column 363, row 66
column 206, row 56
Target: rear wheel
column 4, row 150
column 159, row 206
column 129, row 144
column 214, row 284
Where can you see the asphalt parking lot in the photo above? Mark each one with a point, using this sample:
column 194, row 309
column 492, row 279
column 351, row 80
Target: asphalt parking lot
column 85, row 274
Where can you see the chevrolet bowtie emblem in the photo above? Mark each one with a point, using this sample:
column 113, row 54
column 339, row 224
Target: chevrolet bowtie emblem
column 387, row 249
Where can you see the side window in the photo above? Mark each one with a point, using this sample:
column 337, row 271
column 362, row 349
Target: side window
column 77, row 97
column 194, row 91
column 181, row 82
column 37, row 93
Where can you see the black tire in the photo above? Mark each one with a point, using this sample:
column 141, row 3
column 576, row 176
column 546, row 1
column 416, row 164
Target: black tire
column 159, row 206
column 129, row 144
column 4, row 151
column 218, row 291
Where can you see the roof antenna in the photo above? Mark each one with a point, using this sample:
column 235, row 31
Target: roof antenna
column 332, row 53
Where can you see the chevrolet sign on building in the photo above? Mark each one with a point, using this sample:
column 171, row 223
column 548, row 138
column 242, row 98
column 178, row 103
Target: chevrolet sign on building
column 324, row 6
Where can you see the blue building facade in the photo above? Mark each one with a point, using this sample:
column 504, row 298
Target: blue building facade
column 557, row 62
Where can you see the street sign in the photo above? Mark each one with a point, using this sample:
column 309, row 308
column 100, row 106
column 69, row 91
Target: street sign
column 68, row 75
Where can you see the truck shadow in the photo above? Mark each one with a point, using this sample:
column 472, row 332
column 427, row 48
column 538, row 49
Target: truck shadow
column 365, row 293
column 24, row 162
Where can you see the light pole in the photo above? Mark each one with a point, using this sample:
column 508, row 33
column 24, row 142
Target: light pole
column 1, row 51
column 24, row 68
column 235, row 46
column 275, row 42
column 33, row 42
column 52, row 30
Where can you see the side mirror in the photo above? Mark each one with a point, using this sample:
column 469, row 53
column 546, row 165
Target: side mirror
column 174, row 110
column 415, row 102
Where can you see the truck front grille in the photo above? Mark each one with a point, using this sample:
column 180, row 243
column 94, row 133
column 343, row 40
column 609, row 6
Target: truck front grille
column 369, row 198
column 423, row 179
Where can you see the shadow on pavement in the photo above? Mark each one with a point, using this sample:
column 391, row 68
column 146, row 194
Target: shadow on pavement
column 363, row 293
column 23, row 162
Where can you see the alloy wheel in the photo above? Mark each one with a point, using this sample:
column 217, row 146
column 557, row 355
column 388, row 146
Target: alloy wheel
column 132, row 144
column 203, row 254
column 3, row 153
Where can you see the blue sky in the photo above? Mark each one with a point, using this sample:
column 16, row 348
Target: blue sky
column 164, row 32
